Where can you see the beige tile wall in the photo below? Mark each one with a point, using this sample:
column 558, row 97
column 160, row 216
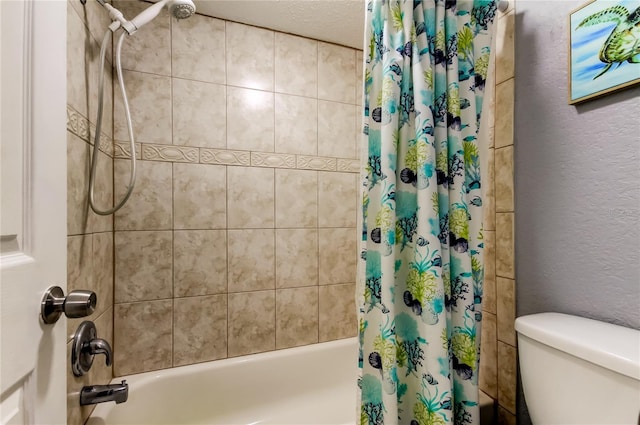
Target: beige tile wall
column 240, row 235
column 90, row 237
column 498, row 364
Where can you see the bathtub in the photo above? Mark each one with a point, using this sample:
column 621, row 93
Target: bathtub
column 315, row 384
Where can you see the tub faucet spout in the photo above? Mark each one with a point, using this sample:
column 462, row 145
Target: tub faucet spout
column 95, row 394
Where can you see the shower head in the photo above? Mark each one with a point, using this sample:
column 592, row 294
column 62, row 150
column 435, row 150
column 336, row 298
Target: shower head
column 180, row 9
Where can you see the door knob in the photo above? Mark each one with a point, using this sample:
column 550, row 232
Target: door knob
column 79, row 303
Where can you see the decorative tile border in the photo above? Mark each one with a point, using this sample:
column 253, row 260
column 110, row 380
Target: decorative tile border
column 82, row 127
column 319, row 163
column 122, row 150
column 224, row 157
column 273, row 160
column 348, row 165
column 239, row 158
column 77, row 124
column 105, row 143
column 170, row 153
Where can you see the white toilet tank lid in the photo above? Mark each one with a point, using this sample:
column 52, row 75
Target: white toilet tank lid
column 610, row 346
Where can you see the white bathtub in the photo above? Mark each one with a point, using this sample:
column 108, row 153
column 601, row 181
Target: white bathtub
column 308, row 385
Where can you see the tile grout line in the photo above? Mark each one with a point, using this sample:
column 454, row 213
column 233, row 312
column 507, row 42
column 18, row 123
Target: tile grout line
column 318, row 255
column 173, row 207
column 226, row 143
column 226, row 178
column 317, row 100
column 275, row 253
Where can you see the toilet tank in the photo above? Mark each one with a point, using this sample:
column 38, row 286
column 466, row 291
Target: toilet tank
column 579, row 371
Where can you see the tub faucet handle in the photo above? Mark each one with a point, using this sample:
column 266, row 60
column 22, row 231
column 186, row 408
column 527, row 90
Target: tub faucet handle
column 100, row 346
column 85, row 346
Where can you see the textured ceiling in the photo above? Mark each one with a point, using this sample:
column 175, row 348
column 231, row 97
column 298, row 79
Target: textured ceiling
column 335, row 21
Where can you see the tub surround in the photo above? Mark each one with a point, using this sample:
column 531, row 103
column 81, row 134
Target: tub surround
column 90, row 237
column 246, row 189
column 498, row 360
column 240, row 235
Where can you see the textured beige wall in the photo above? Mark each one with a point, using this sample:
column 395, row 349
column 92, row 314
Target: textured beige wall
column 240, row 235
column 90, row 237
column 498, row 364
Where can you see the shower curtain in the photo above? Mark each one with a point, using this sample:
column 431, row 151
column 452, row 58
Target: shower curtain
column 421, row 269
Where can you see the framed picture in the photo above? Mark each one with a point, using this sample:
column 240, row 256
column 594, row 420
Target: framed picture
column 604, row 48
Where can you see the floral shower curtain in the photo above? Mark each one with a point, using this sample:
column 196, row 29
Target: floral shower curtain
column 421, row 270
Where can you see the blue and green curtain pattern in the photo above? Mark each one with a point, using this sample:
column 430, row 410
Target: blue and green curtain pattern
column 421, row 269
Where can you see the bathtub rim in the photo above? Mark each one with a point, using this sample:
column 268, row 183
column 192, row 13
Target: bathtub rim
column 140, row 380
column 143, row 378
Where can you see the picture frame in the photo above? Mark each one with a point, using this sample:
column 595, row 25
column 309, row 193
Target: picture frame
column 595, row 67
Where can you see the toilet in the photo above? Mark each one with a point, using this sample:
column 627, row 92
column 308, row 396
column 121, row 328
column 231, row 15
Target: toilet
column 579, row 371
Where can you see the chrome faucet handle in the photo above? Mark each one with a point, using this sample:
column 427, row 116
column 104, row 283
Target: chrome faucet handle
column 99, row 346
column 85, row 346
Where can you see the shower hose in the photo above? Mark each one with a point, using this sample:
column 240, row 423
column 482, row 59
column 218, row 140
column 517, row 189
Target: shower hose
column 96, row 144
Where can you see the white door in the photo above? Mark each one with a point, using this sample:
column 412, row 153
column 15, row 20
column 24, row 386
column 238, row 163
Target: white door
column 32, row 209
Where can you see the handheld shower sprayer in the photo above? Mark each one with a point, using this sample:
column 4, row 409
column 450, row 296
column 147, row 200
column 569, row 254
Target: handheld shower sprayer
column 180, row 9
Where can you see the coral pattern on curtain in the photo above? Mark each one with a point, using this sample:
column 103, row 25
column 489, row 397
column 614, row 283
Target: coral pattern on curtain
column 421, row 270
